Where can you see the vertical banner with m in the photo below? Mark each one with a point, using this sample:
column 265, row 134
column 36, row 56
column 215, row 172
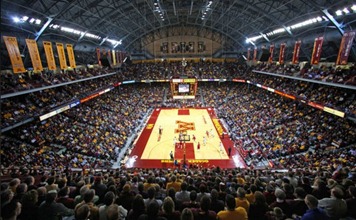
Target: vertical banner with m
column 61, row 56
column 345, row 48
column 248, row 54
column 295, row 58
column 51, row 63
column 14, row 53
column 271, row 49
column 318, row 43
column 71, row 56
column 281, row 53
column 34, row 54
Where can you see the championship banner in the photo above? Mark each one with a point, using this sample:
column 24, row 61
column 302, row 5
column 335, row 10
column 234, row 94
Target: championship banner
column 98, row 55
column 109, row 56
column 295, row 58
column 14, row 54
column 271, row 49
column 255, row 54
column 281, row 53
column 61, row 56
column 345, row 48
column 71, row 56
column 118, row 57
column 34, row 54
column 113, row 57
column 121, row 56
column 248, row 54
column 318, row 43
column 49, row 55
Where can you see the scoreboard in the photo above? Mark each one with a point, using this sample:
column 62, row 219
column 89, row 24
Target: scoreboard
column 184, row 88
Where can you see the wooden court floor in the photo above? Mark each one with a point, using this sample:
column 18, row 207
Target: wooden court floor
column 198, row 123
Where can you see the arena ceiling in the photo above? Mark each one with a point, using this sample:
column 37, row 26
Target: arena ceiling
column 124, row 23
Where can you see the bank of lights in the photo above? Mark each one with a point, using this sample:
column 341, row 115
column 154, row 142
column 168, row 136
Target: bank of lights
column 340, row 12
column 205, row 11
column 158, row 9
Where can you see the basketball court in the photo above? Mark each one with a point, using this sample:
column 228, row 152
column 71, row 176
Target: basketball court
column 190, row 136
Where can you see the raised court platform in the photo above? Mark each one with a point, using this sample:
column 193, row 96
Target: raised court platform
column 167, row 130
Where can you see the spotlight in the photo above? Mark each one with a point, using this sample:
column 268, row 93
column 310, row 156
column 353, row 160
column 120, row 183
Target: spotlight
column 16, row 19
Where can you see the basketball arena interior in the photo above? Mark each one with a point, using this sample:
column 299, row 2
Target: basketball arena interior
column 178, row 109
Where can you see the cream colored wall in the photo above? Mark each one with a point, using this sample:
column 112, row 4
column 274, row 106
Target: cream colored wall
column 210, row 46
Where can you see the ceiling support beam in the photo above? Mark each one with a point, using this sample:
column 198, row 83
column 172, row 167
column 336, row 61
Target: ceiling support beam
column 44, row 27
column 333, row 21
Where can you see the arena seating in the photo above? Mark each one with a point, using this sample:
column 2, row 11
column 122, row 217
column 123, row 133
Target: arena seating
column 291, row 149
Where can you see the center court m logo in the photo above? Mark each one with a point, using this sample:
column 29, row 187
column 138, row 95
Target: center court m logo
column 184, row 126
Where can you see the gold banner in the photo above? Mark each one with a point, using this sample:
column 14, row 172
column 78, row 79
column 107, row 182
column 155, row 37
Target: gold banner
column 71, row 56
column 61, row 56
column 51, row 63
column 14, row 54
column 113, row 57
column 34, row 54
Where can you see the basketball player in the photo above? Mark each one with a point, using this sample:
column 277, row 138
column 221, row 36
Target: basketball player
column 160, row 130
column 204, row 140
column 207, row 133
column 194, row 138
column 198, row 147
column 171, row 155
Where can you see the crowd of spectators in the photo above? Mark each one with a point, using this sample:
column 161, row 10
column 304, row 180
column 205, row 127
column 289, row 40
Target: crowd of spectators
column 267, row 129
column 317, row 148
column 11, row 83
column 90, row 135
column 209, row 193
column 324, row 73
column 19, row 108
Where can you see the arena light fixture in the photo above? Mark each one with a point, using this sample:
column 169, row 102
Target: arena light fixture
column 338, row 12
column 16, row 19
column 38, row 21
column 353, row 8
column 346, row 10
column 24, row 18
column 32, row 20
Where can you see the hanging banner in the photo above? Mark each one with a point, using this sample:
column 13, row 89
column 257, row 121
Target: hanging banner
column 71, row 56
column 49, row 55
column 271, row 49
column 248, row 54
column 61, row 56
column 296, row 50
column 98, row 55
column 255, row 54
column 113, row 57
column 14, row 54
column 117, row 57
column 34, row 54
column 109, row 56
column 318, row 43
column 345, row 48
column 121, row 56
column 281, row 53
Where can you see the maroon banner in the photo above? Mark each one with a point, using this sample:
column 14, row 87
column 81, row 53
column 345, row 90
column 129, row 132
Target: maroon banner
column 271, row 49
column 281, row 53
column 109, row 56
column 248, row 54
column 255, row 54
column 295, row 58
column 318, row 43
column 120, row 57
column 98, row 55
column 345, row 48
